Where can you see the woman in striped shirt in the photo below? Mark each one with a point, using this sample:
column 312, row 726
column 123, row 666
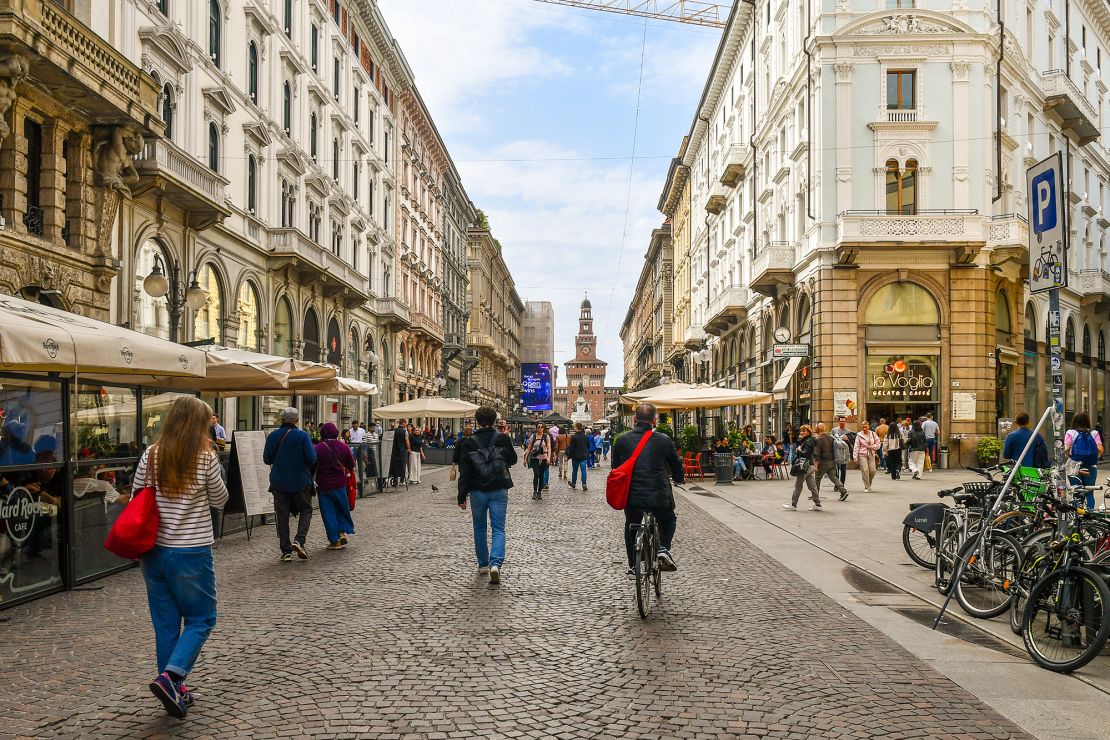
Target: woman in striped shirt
column 180, row 578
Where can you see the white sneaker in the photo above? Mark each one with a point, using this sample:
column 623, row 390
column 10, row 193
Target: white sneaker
column 483, row 570
column 816, row 507
column 867, row 490
column 790, row 507
column 494, row 574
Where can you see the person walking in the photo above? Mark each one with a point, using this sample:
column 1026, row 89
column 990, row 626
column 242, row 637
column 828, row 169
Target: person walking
column 917, row 446
column 866, row 454
column 650, row 487
column 333, row 461
column 932, row 435
column 844, row 440
column 1084, row 445
column 538, row 455
column 893, row 443
column 882, row 429
column 179, row 574
column 1037, row 457
column 789, row 437
column 484, row 461
column 357, row 436
column 416, row 454
column 826, row 463
column 290, row 454
column 562, row 439
column 578, row 449
column 399, row 454
column 804, row 469
column 606, row 444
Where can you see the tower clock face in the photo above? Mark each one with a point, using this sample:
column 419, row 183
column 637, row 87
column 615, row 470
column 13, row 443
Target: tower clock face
column 586, row 350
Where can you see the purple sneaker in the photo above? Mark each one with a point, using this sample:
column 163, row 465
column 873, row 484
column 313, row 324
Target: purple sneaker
column 185, row 694
column 163, row 687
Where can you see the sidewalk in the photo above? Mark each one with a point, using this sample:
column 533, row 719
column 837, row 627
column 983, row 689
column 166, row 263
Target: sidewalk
column 853, row 552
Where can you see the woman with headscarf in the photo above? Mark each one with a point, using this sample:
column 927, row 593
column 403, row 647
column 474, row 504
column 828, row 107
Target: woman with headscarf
column 334, row 461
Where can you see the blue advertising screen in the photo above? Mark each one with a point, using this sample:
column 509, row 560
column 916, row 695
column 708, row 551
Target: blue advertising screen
column 535, row 383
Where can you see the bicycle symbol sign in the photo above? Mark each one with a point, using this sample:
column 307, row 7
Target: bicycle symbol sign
column 1047, row 235
column 1055, row 362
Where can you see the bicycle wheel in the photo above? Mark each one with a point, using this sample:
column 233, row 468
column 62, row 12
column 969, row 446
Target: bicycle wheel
column 948, row 544
column 1035, row 566
column 921, row 547
column 656, row 571
column 642, row 567
column 1066, row 621
column 990, row 573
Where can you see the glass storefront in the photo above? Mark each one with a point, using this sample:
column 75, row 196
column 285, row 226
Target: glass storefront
column 901, row 385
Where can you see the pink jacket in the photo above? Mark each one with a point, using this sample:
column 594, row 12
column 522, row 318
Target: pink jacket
column 866, row 442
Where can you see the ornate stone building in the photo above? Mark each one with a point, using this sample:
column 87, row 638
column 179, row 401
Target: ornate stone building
column 646, row 333
column 458, row 215
column 494, row 328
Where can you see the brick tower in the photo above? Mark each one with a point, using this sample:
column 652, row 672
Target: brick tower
column 586, row 370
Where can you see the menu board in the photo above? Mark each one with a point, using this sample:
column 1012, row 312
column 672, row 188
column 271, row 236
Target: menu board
column 248, row 478
column 963, row 406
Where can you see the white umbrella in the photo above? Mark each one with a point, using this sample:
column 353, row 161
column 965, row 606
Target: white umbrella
column 337, row 386
column 445, row 408
column 38, row 338
column 666, row 398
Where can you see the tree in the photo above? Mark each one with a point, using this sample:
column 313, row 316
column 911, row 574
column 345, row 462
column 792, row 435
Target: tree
column 483, row 222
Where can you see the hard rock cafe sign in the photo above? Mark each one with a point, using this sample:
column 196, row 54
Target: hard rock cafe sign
column 901, row 379
column 18, row 511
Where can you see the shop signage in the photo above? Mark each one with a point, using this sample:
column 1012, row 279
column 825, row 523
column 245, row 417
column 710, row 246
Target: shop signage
column 963, row 406
column 18, row 512
column 790, row 350
column 845, row 403
column 909, row 379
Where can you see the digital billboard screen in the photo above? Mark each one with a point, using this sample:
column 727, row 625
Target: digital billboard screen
column 536, row 386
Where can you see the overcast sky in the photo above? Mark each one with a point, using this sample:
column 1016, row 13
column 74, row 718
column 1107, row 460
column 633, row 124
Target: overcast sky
column 537, row 105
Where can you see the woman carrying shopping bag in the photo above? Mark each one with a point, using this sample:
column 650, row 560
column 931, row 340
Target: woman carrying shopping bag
column 538, row 455
column 866, row 454
column 184, row 470
column 804, row 469
column 334, row 462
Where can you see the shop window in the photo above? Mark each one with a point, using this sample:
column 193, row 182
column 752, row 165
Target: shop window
column 1069, row 337
column 900, row 89
column 164, row 7
column 311, row 336
column 1002, row 324
column 252, row 71
column 901, row 187
column 31, row 536
column 283, row 329
column 215, row 31
column 207, row 324
column 250, row 334
column 335, row 159
column 1086, row 344
column 33, row 217
column 336, row 76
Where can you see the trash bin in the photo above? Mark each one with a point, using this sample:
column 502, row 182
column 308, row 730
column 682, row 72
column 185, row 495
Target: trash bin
column 722, row 466
column 942, row 457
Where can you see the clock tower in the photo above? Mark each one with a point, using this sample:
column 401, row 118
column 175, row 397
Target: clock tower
column 586, row 373
column 585, row 344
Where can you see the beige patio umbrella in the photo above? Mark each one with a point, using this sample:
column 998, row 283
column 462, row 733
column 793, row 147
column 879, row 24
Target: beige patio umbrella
column 338, row 386
column 668, row 398
column 227, row 375
column 38, row 338
column 444, row 408
column 635, row 397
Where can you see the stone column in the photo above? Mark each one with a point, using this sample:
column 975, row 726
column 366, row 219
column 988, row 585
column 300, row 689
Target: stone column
column 843, row 135
column 80, row 198
column 961, row 147
column 52, row 184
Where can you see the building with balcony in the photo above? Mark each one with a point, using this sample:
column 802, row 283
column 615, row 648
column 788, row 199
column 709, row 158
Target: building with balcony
column 458, row 214
column 856, row 182
column 494, row 328
column 674, row 203
column 646, row 333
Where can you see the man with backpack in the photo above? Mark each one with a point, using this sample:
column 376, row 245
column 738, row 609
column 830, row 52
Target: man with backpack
column 826, row 463
column 484, row 461
column 578, row 449
column 291, row 457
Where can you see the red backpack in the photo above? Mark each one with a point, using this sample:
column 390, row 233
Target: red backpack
column 620, row 477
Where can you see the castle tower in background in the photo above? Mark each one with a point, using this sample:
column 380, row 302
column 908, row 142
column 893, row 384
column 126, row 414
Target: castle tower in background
column 586, row 370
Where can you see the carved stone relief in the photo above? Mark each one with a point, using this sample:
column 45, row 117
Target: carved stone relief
column 13, row 70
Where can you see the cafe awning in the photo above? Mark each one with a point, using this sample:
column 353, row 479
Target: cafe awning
column 669, row 397
column 444, row 408
column 337, row 386
column 792, row 365
column 38, row 338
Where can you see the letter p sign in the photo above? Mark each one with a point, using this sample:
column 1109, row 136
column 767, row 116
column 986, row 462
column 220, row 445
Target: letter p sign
column 1044, row 201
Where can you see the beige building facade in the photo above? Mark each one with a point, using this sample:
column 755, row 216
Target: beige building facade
column 646, row 332
column 494, row 328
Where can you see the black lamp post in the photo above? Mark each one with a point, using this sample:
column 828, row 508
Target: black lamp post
column 158, row 284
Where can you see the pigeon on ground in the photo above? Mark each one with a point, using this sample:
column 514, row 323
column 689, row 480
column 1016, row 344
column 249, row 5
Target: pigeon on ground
column 434, row 488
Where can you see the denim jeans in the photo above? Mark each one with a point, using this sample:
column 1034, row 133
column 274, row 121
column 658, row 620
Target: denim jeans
column 335, row 510
column 546, row 475
column 577, row 465
column 494, row 504
column 180, row 588
column 1088, row 480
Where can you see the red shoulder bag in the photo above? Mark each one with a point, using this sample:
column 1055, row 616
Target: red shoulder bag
column 620, row 477
column 135, row 531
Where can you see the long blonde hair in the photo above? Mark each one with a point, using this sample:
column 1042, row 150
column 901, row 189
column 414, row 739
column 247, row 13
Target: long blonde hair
column 177, row 451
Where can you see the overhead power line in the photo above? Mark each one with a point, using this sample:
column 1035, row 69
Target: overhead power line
column 695, row 12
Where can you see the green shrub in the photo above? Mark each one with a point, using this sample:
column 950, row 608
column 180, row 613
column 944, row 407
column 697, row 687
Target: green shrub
column 689, row 439
column 988, row 449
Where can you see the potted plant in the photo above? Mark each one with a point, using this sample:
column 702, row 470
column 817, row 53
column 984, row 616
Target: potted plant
column 988, row 449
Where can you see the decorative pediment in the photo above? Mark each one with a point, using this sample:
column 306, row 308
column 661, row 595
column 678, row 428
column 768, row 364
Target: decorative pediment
column 340, row 204
column 257, row 132
column 919, row 22
column 293, row 59
column 261, row 18
column 167, row 45
column 219, row 99
column 320, row 183
column 293, row 160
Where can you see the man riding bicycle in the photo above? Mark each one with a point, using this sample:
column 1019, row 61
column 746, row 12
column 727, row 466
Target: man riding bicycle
column 650, row 489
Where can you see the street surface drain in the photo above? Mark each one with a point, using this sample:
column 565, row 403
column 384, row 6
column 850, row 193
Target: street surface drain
column 960, row 630
column 863, row 581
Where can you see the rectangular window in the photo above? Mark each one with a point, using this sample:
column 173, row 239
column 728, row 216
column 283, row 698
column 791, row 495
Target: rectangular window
column 33, row 218
column 357, row 103
column 900, row 3
column 289, row 18
column 314, row 47
column 335, row 78
column 900, row 87
column 336, row 9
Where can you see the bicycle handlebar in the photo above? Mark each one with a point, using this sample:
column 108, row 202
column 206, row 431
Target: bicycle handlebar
column 950, row 492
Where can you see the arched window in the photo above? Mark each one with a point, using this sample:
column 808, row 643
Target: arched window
column 1003, row 326
column 215, row 31
column 1086, row 344
column 213, row 148
column 901, row 187
column 283, row 329
column 1069, row 336
column 252, row 183
column 287, row 108
column 250, row 324
column 1030, row 324
column 206, row 324
column 334, row 344
column 252, row 71
column 311, row 336
column 152, row 315
column 902, row 304
column 352, row 353
column 313, row 132
column 335, row 159
column 167, row 109
column 401, row 357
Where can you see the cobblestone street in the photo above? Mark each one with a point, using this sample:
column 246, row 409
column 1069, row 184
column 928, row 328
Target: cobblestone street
column 398, row 636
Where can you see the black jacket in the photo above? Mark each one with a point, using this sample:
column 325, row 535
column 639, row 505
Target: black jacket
column 807, row 450
column 657, row 464
column 467, row 474
column 578, row 448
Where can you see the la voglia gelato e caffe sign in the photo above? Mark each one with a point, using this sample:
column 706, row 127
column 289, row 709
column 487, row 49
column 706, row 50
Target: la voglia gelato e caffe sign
column 901, row 378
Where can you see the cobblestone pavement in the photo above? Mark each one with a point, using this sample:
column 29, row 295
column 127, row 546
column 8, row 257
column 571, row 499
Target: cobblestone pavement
column 397, row 636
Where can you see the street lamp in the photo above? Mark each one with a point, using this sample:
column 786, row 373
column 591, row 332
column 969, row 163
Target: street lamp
column 440, row 383
column 158, row 284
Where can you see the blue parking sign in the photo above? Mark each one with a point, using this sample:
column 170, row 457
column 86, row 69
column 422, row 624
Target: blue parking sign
column 1043, row 195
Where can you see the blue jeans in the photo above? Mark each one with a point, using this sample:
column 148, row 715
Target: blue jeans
column 738, row 467
column 1088, row 480
column 605, row 448
column 495, row 504
column 931, row 449
column 546, row 475
column 335, row 510
column 180, row 588
column 575, row 466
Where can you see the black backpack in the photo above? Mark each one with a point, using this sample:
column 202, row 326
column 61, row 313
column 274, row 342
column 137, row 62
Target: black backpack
column 489, row 463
